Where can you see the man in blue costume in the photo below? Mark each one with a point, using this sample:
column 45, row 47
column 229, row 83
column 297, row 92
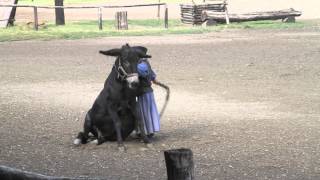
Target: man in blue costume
column 146, row 101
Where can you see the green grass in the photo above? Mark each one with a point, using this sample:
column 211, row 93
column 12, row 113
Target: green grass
column 89, row 29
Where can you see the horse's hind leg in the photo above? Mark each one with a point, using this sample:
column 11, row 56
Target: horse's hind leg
column 101, row 139
column 83, row 136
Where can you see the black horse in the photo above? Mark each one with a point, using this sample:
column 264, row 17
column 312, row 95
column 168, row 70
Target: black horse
column 114, row 112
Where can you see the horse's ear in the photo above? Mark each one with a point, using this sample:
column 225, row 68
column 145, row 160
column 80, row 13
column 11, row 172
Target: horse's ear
column 111, row 52
column 145, row 56
column 142, row 51
column 140, row 48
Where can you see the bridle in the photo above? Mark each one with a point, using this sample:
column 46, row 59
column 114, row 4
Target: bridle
column 122, row 74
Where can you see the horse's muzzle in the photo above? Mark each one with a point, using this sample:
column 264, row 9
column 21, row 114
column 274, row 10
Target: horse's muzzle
column 133, row 80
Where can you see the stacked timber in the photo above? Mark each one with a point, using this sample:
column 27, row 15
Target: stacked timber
column 191, row 13
column 254, row 16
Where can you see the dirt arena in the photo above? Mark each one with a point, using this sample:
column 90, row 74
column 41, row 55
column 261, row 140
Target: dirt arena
column 247, row 102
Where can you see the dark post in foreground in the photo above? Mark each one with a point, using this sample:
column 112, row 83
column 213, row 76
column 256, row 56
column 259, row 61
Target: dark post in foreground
column 59, row 12
column 179, row 164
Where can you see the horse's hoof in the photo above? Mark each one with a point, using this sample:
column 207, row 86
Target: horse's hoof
column 122, row 149
column 146, row 140
column 150, row 135
column 96, row 142
column 150, row 146
column 77, row 142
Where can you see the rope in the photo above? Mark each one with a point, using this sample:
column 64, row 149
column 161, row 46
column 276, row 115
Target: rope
column 167, row 96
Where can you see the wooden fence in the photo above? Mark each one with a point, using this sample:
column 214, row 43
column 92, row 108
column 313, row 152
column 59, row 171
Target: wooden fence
column 99, row 8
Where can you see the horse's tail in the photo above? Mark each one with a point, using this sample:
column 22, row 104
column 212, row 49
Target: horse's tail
column 167, row 96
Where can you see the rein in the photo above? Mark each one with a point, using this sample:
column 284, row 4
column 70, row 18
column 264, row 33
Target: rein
column 167, row 96
column 122, row 75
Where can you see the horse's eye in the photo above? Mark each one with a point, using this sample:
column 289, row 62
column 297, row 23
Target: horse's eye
column 126, row 63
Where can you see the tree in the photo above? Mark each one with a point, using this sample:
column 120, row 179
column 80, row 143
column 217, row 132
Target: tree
column 59, row 12
column 12, row 14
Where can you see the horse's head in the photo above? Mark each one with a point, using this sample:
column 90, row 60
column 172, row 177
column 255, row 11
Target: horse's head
column 126, row 62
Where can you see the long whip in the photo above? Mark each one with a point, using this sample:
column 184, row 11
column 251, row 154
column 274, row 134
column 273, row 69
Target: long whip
column 156, row 82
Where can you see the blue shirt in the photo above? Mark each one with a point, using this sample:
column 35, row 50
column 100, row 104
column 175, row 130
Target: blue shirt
column 145, row 71
column 146, row 75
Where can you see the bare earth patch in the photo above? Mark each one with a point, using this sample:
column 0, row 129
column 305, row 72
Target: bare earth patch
column 246, row 103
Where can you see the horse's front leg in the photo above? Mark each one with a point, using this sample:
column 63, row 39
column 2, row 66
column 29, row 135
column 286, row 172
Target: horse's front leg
column 112, row 109
column 137, row 115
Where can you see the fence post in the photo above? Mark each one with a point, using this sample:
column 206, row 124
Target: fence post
column 166, row 17
column 35, row 11
column 158, row 10
column 121, row 20
column 100, row 18
column 226, row 12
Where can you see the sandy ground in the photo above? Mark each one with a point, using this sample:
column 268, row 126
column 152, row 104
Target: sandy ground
column 310, row 10
column 246, row 102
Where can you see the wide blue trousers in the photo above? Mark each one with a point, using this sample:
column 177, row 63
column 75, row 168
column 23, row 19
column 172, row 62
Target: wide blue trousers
column 149, row 113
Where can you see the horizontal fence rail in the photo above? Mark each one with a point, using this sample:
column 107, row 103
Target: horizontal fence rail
column 75, row 7
column 89, row 7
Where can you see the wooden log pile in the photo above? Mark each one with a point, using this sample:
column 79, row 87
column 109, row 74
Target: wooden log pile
column 191, row 13
column 254, row 16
